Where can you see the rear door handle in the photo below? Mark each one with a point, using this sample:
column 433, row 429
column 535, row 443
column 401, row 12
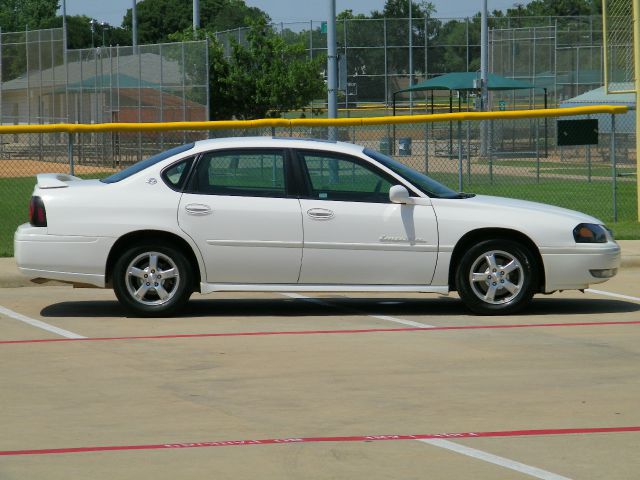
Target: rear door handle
column 198, row 209
column 320, row 213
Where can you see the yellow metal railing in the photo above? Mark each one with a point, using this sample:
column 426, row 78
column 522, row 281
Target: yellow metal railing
column 311, row 122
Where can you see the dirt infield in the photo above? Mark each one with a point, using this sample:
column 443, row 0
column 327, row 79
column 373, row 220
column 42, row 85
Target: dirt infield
column 28, row 168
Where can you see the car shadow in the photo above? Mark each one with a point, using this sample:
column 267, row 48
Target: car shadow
column 342, row 306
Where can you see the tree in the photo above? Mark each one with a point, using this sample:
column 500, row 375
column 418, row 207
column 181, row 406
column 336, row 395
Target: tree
column 18, row 15
column 556, row 8
column 79, row 32
column 158, row 19
column 265, row 77
column 400, row 9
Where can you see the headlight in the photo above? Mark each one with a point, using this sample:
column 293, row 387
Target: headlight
column 591, row 233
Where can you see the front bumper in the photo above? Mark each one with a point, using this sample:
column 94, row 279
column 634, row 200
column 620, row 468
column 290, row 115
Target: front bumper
column 574, row 268
column 76, row 259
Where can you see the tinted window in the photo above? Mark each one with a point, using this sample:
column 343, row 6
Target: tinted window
column 251, row 173
column 138, row 167
column 427, row 184
column 176, row 175
column 334, row 177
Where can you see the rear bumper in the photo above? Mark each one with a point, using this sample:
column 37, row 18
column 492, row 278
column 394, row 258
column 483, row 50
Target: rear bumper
column 67, row 258
column 571, row 269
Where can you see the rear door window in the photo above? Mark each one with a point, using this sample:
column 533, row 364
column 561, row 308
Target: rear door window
column 249, row 173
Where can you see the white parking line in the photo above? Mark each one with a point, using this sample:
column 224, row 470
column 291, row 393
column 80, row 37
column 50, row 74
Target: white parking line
column 495, row 459
column 38, row 324
column 614, row 295
column 379, row 317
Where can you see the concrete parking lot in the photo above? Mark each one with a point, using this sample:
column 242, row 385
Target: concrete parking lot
column 320, row 386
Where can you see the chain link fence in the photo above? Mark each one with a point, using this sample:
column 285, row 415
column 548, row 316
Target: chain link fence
column 618, row 24
column 584, row 162
column 561, row 54
column 41, row 83
column 31, row 77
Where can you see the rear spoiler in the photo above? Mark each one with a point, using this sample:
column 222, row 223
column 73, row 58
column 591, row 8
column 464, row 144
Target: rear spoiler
column 55, row 180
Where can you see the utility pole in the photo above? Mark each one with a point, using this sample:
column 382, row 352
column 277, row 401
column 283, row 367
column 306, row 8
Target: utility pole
column 196, row 15
column 64, row 30
column 484, row 58
column 134, row 27
column 104, row 27
column 92, row 22
column 410, row 55
column 636, row 58
column 484, row 77
column 332, row 68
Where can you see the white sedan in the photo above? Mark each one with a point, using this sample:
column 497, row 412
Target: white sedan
column 282, row 215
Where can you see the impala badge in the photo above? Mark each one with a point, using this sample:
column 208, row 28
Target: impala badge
column 391, row 238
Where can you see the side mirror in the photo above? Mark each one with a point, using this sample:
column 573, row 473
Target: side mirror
column 399, row 194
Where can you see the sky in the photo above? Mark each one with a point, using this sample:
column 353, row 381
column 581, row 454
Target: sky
column 112, row 11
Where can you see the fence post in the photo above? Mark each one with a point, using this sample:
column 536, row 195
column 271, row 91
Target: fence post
column 460, row 156
column 70, row 152
column 468, row 152
column 614, row 169
column 538, row 150
column 589, row 163
column 588, row 147
column 426, row 148
column 489, row 151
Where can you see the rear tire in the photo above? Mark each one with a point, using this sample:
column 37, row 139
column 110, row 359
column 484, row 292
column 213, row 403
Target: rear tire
column 497, row 277
column 153, row 280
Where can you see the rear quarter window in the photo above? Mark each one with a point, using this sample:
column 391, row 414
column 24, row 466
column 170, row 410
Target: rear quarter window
column 138, row 167
column 175, row 176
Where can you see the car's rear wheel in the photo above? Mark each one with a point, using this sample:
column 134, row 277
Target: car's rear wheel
column 497, row 277
column 152, row 280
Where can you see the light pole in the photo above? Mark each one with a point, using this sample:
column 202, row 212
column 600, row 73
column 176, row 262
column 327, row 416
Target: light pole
column 484, row 78
column 64, row 30
column 92, row 23
column 196, row 15
column 332, row 67
column 104, row 26
column 134, row 27
column 484, row 58
column 410, row 55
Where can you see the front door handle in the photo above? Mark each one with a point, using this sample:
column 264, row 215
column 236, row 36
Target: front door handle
column 320, row 213
column 198, row 209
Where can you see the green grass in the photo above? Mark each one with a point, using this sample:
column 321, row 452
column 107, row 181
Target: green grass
column 562, row 168
column 627, row 230
column 14, row 209
column 594, row 198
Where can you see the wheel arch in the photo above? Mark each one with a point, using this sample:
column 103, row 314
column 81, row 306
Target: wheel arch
column 482, row 234
column 153, row 236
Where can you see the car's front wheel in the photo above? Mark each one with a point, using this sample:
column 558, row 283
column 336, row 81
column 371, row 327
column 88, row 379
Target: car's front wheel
column 497, row 277
column 152, row 280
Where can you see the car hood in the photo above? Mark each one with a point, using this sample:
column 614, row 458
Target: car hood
column 488, row 202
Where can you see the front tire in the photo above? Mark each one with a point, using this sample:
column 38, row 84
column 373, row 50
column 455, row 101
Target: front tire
column 152, row 280
column 497, row 277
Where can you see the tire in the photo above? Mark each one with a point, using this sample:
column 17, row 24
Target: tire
column 497, row 277
column 146, row 291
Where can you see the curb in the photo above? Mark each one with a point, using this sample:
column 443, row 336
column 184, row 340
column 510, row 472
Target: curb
column 630, row 261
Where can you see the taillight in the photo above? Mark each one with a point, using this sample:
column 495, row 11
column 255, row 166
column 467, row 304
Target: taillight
column 37, row 212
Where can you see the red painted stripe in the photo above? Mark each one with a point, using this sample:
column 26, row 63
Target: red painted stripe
column 320, row 332
column 369, row 438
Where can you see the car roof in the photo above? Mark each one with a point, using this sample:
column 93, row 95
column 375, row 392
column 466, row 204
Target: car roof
column 277, row 142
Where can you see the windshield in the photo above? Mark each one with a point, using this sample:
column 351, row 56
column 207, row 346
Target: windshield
column 139, row 166
column 426, row 184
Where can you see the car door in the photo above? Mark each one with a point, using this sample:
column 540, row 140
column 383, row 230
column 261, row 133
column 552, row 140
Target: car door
column 237, row 210
column 353, row 234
